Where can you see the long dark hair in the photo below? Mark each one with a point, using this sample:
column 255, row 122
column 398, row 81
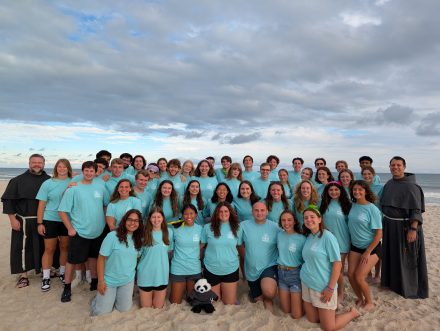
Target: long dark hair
column 211, row 172
column 253, row 197
column 199, row 198
column 369, row 195
column 158, row 199
column 116, row 196
column 296, row 226
column 121, row 231
column 229, row 196
column 343, row 200
column 327, row 171
column 148, row 233
column 269, row 198
column 233, row 219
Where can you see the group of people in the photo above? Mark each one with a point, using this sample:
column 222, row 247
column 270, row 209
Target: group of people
column 125, row 223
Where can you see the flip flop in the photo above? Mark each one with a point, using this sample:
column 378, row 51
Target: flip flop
column 22, row 282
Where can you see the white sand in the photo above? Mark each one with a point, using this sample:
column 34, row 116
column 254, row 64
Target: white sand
column 30, row 309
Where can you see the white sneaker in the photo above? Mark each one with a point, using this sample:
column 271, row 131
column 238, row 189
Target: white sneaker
column 45, row 285
column 75, row 282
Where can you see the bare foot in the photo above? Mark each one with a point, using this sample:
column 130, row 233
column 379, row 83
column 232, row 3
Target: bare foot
column 376, row 280
column 355, row 313
column 359, row 303
column 368, row 306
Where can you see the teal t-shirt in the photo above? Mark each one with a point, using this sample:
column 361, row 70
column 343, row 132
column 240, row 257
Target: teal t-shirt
column 290, row 248
column 260, row 241
column 273, row 176
column 221, row 255
column 207, row 186
column 51, row 191
column 277, row 209
column 220, row 175
column 288, row 191
column 130, row 170
column 294, row 178
column 363, row 221
column 260, row 187
column 233, row 184
column 243, row 208
column 298, row 214
column 153, row 267
column 186, row 256
column 120, row 262
column 377, row 190
column 152, row 186
column 178, row 185
column 85, row 204
column 146, row 199
column 250, row 175
column 319, row 255
column 118, row 209
column 111, row 183
column 337, row 223
column 200, row 213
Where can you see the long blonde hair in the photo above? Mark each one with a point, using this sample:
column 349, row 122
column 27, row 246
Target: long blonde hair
column 299, row 199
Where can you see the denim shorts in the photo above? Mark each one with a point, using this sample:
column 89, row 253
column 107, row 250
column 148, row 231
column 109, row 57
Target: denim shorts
column 289, row 280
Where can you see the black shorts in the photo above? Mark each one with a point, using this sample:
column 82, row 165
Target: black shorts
column 377, row 250
column 54, row 229
column 217, row 279
column 255, row 286
column 80, row 249
column 152, row 288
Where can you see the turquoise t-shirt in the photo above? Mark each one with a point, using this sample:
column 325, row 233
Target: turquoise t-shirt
column 363, row 221
column 288, row 191
column 243, row 208
column 294, row 178
column 220, row 175
column 319, row 255
column 210, row 208
column 178, row 185
column 207, row 186
column 221, row 255
column 260, row 187
column 85, row 204
column 273, row 176
column 290, row 248
column 146, row 199
column 260, row 241
column 200, row 213
column 152, row 186
column 51, row 191
column 337, row 223
column 277, row 209
column 186, row 256
column 153, row 267
column 377, row 190
column 250, row 175
column 98, row 181
column 299, row 215
column 320, row 188
column 130, row 170
column 120, row 262
column 233, row 184
column 118, row 209
column 168, row 210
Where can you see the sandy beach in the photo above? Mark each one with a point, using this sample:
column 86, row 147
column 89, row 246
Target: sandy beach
column 30, row 309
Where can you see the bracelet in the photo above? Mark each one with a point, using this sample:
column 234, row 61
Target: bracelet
column 331, row 289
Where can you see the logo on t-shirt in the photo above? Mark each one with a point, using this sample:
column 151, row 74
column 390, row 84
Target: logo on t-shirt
column 230, row 235
column 265, row 238
column 314, row 247
column 97, row 195
column 196, row 238
column 292, row 248
column 362, row 217
column 340, row 213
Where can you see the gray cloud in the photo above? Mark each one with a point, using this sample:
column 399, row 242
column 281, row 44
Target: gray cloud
column 395, row 114
column 430, row 125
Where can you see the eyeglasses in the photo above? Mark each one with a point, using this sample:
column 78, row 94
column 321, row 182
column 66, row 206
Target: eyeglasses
column 264, row 169
column 133, row 220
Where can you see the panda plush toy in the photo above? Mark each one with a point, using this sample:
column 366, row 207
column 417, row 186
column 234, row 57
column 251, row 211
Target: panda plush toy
column 202, row 296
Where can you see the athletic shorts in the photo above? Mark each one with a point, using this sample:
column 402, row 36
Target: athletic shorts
column 54, row 229
column 217, row 279
column 314, row 298
column 152, row 288
column 80, row 249
column 255, row 286
column 377, row 250
column 184, row 278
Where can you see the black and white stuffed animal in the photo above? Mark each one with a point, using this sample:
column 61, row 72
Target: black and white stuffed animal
column 202, row 296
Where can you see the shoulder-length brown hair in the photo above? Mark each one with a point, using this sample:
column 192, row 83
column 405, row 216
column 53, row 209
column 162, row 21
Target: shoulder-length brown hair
column 148, row 233
column 315, row 211
column 269, row 198
column 233, row 219
column 116, row 196
column 66, row 163
column 369, row 195
column 121, row 231
column 158, row 199
column 299, row 199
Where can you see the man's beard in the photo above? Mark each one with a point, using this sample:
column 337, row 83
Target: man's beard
column 32, row 171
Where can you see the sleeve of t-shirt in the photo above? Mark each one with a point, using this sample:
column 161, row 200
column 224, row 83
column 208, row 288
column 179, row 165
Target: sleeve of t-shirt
column 332, row 247
column 204, row 236
column 110, row 210
column 67, row 200
column 171, row 238
column 107, row 244
column 376, row 218
column 138, row 204
column 43, row 192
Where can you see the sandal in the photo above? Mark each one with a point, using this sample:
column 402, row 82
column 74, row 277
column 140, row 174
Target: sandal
column 22, row 282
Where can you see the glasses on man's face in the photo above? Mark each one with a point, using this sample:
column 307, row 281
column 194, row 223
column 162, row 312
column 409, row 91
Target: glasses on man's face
column 133, row 220
column 264, row 169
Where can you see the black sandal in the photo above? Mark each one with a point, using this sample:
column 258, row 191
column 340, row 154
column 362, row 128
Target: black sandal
column 22, row 282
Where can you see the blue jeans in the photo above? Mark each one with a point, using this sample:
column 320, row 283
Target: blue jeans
column 118, row 297
column 289, row 280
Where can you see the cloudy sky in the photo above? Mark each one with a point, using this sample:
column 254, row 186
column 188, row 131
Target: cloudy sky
column 188, row 79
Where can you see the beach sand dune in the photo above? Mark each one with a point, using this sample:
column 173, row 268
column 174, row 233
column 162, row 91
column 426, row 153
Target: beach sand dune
column 30, row 309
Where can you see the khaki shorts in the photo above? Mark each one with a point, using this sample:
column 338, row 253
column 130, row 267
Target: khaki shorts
column 314, row 297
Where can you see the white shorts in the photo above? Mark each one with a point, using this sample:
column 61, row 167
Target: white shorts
column 314, row 297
